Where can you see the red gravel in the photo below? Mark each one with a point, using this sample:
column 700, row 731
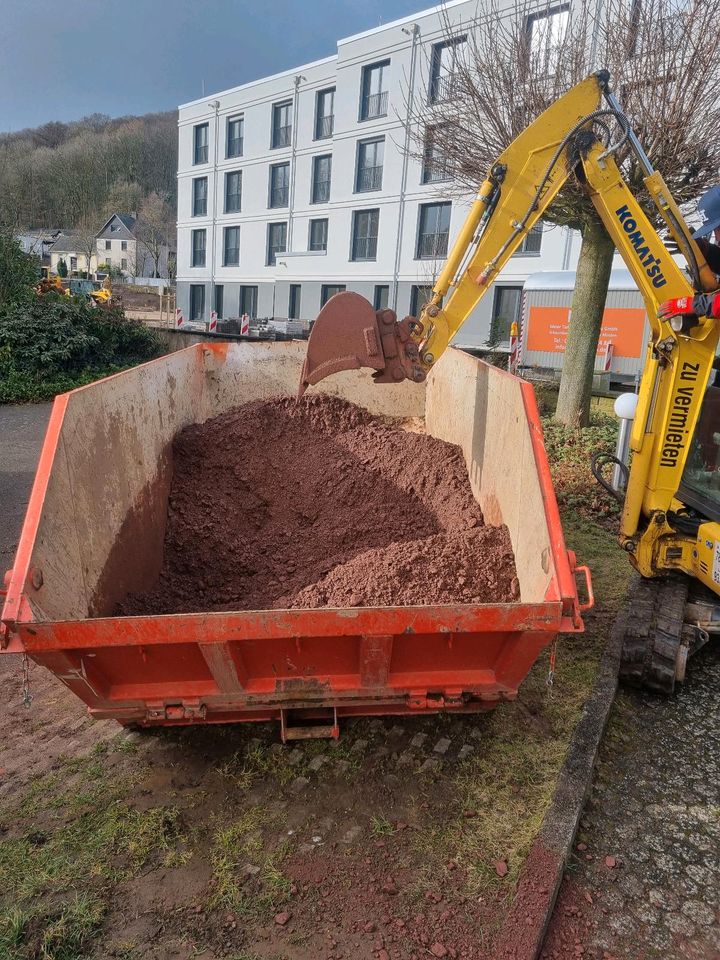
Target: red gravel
column 279, row 504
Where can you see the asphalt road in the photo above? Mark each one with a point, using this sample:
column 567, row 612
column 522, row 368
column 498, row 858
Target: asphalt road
column 22, row 429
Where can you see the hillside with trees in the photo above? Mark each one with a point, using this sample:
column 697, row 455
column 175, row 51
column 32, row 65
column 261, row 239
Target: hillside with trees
column 67, row 174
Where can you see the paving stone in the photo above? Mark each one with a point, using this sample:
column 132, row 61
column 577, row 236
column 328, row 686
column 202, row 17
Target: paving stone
column 465, row 751
column 654, row 806
column 418, row 741
column 431, row 765
column 396, row 731
column 295, row 756
column 342, row 766
column 359, row 746
column 442, row 746
column 317, row 762
column 299, row 784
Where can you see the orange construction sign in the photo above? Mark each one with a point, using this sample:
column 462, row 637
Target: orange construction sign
column 622, row 327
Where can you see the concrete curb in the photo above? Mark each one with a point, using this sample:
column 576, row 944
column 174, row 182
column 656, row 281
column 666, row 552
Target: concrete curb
column 524, row 929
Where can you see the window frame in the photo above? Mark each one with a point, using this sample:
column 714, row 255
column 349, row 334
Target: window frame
column 228, row 174
column 364, row 113
column 271, row 261
column 194, row 287
column 362, row 145
column 226, row 234
column 317, row 135
column 548, row 67
column 325, row 295
column 219, row 294
column 500, row 288
column 427, row 160
column 282, row 165
column 422, row 209
column 314, row 198
column 196, row 128
column 197, row 180
column 311, row 223
column 355, row 238
column 193, row 249
column 237, row 118
column 274, row 128
column 253, row 294
column 294, row 301
column 535, row 231
column 377, row 297
column 415, row 307
column 436, row 64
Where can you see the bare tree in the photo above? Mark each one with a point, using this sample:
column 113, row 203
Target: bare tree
column 155, row 227
column 663, row 60
column 86, row 239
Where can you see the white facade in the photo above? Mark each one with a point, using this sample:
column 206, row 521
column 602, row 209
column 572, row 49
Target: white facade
column 404, row 48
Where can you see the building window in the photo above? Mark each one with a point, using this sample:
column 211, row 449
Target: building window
column 219, row 298
column 506, row 309
column 433, row 230
column 374, row 98
column 281, row 124
column 419, row 296
column 369, row 165
column 279, row 185
column 199, row 200
column 123, row 264
column 123, row 244
column 321, row 176
column 365, row 234
column 248, row 301
column 235, row 132
column 324, row 113
column 231, row 247
column 294, row 302
column 382, row 295
column 73, row 263
column 233, row 191
column 328, row 290
column 318, row 235
column 108, row 244
column 197, row 302
column 276, row 241
column 444, row 68
column 436, row 165
column 198, row 249
column 200, row 143
column 546, row 34
column 531, row 244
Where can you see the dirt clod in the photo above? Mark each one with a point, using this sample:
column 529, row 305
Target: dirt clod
column 279, row 504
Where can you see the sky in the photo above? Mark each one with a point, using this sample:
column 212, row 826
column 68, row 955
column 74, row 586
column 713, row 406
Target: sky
column 62, row 61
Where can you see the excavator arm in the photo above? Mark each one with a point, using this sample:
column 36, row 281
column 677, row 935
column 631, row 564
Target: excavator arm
column 670, row 523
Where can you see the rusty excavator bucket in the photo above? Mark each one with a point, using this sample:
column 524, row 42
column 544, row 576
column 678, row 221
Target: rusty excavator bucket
column 349, row 334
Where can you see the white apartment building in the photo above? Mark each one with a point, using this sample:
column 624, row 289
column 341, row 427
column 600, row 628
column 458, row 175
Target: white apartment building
column 299, row 185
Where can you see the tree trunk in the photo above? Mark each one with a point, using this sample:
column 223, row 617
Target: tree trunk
column 588, row 304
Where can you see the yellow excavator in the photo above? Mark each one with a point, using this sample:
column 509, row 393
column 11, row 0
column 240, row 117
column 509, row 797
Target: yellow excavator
column 670, row 523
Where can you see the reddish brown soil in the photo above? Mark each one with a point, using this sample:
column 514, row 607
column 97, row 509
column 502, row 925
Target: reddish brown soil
column 279, row 504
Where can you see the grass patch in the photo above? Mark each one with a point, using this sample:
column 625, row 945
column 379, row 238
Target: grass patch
column 74, row 837
column 237, row 846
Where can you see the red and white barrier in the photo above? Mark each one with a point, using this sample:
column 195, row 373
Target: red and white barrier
column 244, row 325
column 213, row 322
column 179, row 318
column 607, row 363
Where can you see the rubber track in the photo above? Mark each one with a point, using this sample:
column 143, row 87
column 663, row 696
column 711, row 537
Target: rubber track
column 654, row 629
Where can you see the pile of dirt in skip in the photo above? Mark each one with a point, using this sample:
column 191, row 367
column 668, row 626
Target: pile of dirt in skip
column 280, row 504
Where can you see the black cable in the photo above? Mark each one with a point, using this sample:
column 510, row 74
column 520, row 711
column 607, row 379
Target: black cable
column 600, row 460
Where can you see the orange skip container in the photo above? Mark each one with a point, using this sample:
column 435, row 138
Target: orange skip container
column 95, row 526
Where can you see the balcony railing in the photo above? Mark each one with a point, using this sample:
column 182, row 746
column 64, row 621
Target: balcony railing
column 442, row 88
column 432, row 245
column 281, row 136
column 436, row 170
column 321, row 191
column 374, row 105
column 365, row 248
column 279, row 197
column 369, row 178
column 324, row 127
